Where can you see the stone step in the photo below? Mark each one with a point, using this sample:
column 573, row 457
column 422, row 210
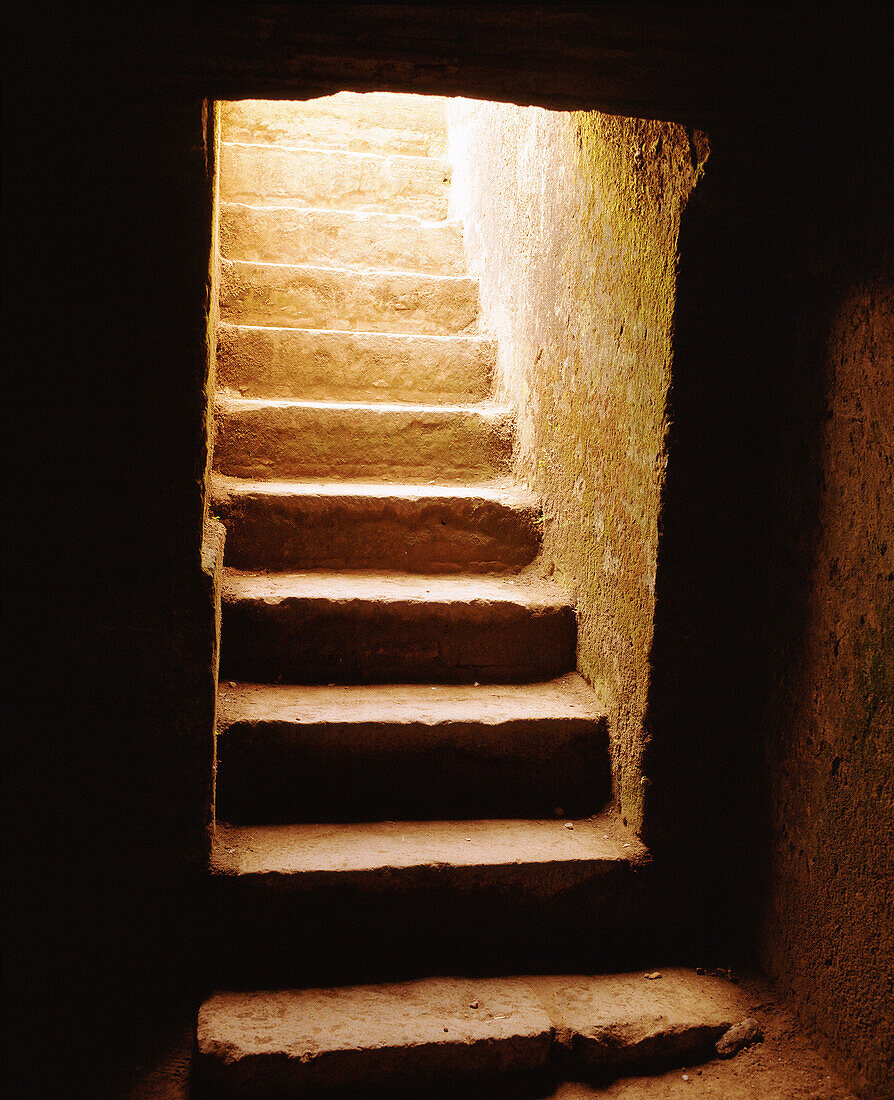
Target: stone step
column 468, row 1032
column 325, row 628
column 418, row 854
column 309, row 904
column 414, row 751
column 360, row 121
column 304, row 296
column 315, row 364
column 275, row 439
column 334, row 179
column 340, row 238
column 488, row 528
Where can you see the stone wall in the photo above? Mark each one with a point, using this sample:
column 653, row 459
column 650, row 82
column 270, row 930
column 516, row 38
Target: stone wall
column 828, row 931
column 571, row 223
column 770, row 735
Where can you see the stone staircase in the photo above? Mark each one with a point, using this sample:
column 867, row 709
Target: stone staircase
column 410, row 774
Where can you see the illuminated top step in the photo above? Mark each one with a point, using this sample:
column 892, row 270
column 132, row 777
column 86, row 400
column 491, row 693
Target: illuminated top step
column 360, row 121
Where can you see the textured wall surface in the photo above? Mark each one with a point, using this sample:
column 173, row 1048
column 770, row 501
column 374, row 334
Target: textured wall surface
column 571, row 222
column 829, row 927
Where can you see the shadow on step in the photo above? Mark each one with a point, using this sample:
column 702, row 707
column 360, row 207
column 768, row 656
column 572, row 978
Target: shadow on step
column 272, row 939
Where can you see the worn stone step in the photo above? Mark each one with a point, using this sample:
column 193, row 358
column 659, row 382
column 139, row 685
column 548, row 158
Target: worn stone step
column 340, row 238
column 314, row 365
column 488, row 528
column 546, row 856
column 311, row 904
column 336, row 298
column 360, row 121
column 274, row 439
column 322, row 628
column 414, row 751
column 455, row 1033
column 334, row 179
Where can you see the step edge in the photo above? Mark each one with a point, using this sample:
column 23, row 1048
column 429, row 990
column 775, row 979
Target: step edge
column 387, row 272
column 237, row 584
column 521, row 499
column 347, row 212
column 470, row 338
column 439, row 161
column 227, row 401
column 227, row 848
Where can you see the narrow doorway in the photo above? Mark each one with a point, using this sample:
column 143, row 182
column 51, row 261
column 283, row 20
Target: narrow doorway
column 382, row 562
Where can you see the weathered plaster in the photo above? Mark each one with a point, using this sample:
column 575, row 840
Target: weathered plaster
column 571, row 223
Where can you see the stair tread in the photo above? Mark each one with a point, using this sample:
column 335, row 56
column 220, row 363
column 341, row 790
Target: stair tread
column 352, row 272
column 286, row 361
column 410, row 751
column 380, row 586
column 339, row 214
column 491, row 409
column 450, row 1028
column 470, row 339
column 351, row 848
column 377, row 299
column 511, row 495
column 358, row 240
column 267, row 174
column 425, row 162
column 430, row 704
column 352, row 120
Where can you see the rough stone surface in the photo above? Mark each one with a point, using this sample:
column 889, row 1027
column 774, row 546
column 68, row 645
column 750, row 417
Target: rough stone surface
column 486, row 528
column 828, row 933
column 273, row 439
column 320, row 627
column 611, row 1020
column 335, row 180
column 332, row 298
column 576, row 263
column 463, row 1028
column 287, row 754
column 372, row 1035
column 353, row 366
column 784, row 1067
column 340, row 238
column 364, row 123
column 657, row 61
column 744, row 1034
column 542, row 856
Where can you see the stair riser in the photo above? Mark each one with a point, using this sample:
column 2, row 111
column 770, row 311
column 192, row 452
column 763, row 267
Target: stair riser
column 313, row 297
column 332, row 239
column 271, row 176
column 370, row 122
column 278, row 773
column 425, row 536
column 319, row 641
column 389, row 931
column 289, row 441
column 354, row 366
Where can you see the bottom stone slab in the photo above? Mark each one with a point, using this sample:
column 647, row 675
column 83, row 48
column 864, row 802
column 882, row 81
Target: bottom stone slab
column 455, row 1030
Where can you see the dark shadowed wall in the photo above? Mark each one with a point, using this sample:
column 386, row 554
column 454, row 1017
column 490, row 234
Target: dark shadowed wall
column 770, row 735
